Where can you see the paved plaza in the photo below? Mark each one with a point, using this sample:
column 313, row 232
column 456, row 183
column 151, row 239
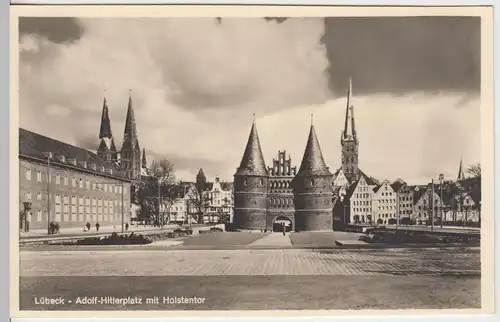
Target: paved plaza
column 251, row 262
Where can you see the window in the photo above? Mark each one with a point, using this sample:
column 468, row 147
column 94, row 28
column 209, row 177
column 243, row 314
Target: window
column 81, row 209
column 38, row 196
column 80, row 183
column 39, row 215
column 66, row 208
column 73, row 208
column 28, row 174
column 65, row 180
column 28, row 196
column 93, row 186
column 38, row 175
column 87, row 184
column 58, row 208
column 105, row 187
column 58, row 179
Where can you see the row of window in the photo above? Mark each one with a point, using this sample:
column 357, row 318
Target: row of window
column 75, row 218
column 77, row 201
column 117, row 188
column 281, row 202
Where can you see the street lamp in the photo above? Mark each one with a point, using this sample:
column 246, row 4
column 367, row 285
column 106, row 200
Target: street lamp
column 48, row 156
column 441, row 181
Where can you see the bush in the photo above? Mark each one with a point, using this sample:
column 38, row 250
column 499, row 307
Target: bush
column 54, row 227
column 115, row 239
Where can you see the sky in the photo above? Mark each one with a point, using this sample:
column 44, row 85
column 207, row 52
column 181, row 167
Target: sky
column 196, row 82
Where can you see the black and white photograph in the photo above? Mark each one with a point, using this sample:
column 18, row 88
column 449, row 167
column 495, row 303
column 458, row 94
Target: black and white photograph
column 175, row 159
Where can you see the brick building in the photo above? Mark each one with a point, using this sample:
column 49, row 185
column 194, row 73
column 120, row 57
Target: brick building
column 251, row 182
column 280, row 209
column 82, row 186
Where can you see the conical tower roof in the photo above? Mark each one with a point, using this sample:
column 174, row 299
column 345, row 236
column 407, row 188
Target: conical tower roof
column 313, row 163
column 105, row 130
column 253, row 162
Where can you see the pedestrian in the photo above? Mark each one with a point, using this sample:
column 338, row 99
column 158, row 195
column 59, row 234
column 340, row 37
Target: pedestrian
column 88, row 226
column 284, row 229
column 126, row 226
column 97, row 226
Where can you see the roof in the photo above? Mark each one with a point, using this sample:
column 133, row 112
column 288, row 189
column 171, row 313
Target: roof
column 398, row 184
column 313, row 163
column 252, row 162
column 37, row 146
column 371, row 181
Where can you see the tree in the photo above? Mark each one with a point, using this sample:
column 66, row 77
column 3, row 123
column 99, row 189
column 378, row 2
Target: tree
column 474, row 171
column 158, row 191
column 197, row 200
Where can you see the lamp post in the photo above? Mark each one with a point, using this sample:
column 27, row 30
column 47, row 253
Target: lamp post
column 441, row 181
column 431, row 203
column 49, row 156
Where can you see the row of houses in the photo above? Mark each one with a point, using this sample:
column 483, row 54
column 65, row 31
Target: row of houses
column 368, row 201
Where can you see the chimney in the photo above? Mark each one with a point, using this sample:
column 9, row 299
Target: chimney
column 62, row 158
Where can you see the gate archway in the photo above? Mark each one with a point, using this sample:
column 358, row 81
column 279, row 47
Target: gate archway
column 280, row 221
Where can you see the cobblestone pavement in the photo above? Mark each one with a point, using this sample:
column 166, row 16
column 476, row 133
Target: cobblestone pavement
column 444, row 261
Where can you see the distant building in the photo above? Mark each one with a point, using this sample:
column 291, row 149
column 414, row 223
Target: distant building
column 82, row 187
column 219, row 201
column 426, row 204
column 384, row 204
column 404, row 200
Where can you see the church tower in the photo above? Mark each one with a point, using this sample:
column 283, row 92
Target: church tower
column 201, row 180
column 349, row 142
column 250, row 186
column 130, row 156
column 106, row 149
column 461, row 175
column 312, row 189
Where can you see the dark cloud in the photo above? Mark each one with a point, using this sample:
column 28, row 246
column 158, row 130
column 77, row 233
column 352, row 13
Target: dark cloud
column 56, row 29
column 404, row 54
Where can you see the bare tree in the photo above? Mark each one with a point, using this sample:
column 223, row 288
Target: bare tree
column 198, row 200
column 158, row 192
column 474, row 170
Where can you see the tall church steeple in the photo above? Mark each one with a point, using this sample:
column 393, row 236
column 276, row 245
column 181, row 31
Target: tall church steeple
column 131, row 152
column 461, row 175
column 349, row 141
column 107, row 148
column 144, row 162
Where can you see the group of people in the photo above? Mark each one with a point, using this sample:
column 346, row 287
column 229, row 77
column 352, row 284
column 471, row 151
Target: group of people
column 88, row 225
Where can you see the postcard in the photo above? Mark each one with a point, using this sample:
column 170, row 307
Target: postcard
column 251, row 160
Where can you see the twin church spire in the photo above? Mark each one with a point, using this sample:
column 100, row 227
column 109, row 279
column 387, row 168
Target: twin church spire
column 130, row 155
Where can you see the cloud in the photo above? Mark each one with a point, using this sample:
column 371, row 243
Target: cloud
column 195, row 84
